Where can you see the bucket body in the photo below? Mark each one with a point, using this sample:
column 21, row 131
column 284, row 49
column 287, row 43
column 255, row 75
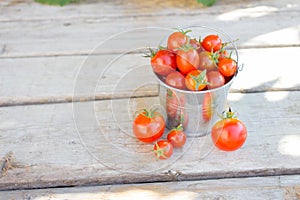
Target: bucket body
column 196, row 111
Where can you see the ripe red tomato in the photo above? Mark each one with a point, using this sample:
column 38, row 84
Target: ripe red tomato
column 227, row 66
column 149, row 126
column 177, row 40
column 177, row 137
column 215, row 79
column 207, row 107
column 207, row 61
column 163, row 62
column 222, row 54
column 176, row 80
column 181, row 117
column 229, row 134
column 196, row 45
column 196, row 80
column 212, row 43
column 163, row 149
column 174, row 102
column 187, row 60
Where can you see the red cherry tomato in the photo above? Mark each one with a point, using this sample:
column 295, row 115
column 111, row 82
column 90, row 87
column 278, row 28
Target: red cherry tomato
column 176, row 80
column 196, row 45
column 229, row 134
column 207, row 107
column 177, row 40
column 177, row 137
column 181, row 117
column 196, row 80
column 149, row 126
column 227, row 66
column 215, row 79
column 212, row 43
column 163, row 62
column 163, row 149
column 187, row 60
column 222, row 54
column 207, row 61
column 174, row 102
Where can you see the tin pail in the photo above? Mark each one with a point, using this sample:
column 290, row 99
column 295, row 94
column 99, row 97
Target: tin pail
column 197, row 111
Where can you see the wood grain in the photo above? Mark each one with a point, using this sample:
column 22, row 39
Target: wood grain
column 51, row 150
column 81, row 78
column 277, row 187
column 80, row 35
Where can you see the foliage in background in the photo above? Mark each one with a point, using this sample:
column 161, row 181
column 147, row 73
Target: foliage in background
column 64, row 2
column 56, row 2
column 207, row 2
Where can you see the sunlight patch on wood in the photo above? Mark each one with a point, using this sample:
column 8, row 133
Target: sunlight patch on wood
column 290, row 35
column 129, row 194
column 255, row 12
column 290, row 145
column 276, row 96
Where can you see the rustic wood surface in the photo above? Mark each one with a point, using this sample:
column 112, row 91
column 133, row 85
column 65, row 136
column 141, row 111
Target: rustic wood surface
column 49, row 150
column 72, row 78
column 56, row 31
column 261, row 72
column 277, row 187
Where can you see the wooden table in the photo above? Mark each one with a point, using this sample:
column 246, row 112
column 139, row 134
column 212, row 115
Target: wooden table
column 65, row 128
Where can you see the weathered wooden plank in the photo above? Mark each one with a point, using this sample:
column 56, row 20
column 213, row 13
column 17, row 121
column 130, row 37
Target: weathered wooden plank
column 51, row 150
column 77, row 36
column 278, row 187
column 17, row 10
column 53, row 79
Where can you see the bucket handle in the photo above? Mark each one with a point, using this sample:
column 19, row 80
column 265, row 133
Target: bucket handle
column 241, row 67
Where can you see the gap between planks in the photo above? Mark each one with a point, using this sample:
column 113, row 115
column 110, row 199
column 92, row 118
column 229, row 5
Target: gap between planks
column 88, row 53
column 25, row 101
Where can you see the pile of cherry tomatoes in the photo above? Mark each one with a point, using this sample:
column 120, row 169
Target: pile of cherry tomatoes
column 190, row 64
column 149, row 126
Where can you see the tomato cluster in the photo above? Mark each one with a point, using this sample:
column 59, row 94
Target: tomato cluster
column 149, row 126
column 190, row 64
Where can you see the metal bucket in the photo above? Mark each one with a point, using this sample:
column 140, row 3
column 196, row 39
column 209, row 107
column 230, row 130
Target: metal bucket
column 196, row 111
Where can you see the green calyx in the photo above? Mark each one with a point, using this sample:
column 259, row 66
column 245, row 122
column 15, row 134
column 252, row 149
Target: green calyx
column 152, row 52
column 159, row 152
column 200, row 79
column 178, row 128
column 228, row 114
column 186, row 47
column 169, row 93
column 183, row 31
column 150, row 113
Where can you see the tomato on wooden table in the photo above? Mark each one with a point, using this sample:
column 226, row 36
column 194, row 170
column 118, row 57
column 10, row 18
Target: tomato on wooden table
column 149, row 126
column 163, row 149
column 177, row 137
column 229, row 133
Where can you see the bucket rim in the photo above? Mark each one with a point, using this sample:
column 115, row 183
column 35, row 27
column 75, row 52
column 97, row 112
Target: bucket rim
column 231, row 41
